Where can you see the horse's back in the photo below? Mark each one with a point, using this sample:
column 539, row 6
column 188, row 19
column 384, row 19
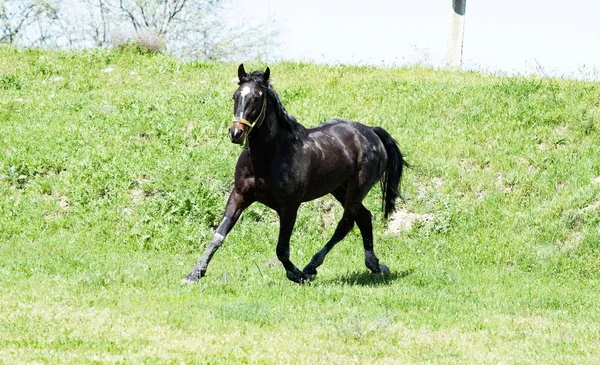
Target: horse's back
column 338, row 122
column 353, row 144
column 352, row 134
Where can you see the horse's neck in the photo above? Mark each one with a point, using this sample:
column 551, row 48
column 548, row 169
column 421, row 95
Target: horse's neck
column 266, row 146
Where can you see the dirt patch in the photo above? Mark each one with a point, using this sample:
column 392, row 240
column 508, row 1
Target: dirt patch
column 63, row 202
column 327, row 209
column 437, row 182
column 423, row 190
column 502, row 185
column 403, row 220
column 190, row 125
column 136, row 195
column 591, row 207
column 572, row 242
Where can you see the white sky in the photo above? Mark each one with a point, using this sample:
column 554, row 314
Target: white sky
column 500, row 35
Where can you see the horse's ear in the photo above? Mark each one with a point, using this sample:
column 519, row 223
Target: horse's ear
column 266, row 74
column 241, row 72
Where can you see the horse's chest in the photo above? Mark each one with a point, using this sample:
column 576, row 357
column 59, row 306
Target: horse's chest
column 280, row 183
column 285, row 185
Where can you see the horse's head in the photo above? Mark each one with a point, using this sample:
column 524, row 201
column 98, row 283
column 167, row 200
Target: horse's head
column 249, row 103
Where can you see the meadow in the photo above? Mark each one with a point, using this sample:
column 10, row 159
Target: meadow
column 114, row 171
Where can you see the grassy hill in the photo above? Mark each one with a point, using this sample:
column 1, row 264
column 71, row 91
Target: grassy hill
column 115, row 167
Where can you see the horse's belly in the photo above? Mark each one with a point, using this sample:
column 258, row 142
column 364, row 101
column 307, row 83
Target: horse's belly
column 323, row 184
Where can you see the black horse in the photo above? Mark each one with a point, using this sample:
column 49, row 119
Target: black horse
column 284, row 164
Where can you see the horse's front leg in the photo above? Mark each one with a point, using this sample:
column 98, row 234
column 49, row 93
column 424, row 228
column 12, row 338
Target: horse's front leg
column 287, row 219
column 235, row 206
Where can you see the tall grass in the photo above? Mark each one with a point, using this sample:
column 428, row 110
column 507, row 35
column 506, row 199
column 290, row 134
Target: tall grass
column 115, row 167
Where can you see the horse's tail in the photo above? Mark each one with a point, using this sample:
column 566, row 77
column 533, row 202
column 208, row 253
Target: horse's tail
column 390, row 181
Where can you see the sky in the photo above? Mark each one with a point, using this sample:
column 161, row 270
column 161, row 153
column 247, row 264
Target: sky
column 557, row 38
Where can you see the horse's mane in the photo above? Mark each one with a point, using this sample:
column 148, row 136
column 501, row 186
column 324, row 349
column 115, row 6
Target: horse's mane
column 285, row 120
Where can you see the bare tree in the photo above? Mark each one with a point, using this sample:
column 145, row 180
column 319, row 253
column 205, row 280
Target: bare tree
column 46, row 22
column 15, row 16
column 208, row 37
column 195, row 28
column 154, row 15
column 100, row 14
column 88, row 23
column 187, row 28
column 31, row 22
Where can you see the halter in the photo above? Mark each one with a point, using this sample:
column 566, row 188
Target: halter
column 258, row 121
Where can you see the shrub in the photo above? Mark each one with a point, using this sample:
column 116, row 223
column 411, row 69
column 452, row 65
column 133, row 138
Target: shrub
column 143, row 43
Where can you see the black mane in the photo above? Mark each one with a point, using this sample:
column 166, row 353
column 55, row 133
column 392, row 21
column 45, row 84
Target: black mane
column 285, row 120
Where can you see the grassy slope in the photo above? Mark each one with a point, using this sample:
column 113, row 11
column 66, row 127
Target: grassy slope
column 115, row 168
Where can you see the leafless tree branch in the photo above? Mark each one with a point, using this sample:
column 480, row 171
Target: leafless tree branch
column 187, row 28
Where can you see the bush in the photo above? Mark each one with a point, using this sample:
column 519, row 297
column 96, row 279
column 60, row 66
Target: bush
column 143, row 43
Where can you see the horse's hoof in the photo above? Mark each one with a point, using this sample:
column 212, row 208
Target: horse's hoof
column 186, row 281
column 190, row 279
column 292, row 277
column 310, row 277
column 309, row 273
column 298, row 278
column 384, row 270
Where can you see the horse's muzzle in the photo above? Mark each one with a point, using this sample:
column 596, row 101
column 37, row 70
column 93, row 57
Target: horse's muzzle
column 237, row 133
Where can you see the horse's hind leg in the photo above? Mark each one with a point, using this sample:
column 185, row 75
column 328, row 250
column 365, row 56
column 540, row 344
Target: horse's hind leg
column 343, row 228
column 365, row 224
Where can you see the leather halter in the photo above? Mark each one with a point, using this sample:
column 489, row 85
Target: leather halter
column 258, row 121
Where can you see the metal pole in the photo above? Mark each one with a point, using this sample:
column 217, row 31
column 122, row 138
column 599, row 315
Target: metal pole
column 455, row 40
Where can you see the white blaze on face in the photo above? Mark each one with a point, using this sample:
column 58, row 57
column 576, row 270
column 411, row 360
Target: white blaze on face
column 243, row 93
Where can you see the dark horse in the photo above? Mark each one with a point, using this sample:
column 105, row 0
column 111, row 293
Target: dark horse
column 284, row 164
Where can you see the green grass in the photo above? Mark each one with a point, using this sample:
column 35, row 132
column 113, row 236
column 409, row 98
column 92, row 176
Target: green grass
column 115, row 167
